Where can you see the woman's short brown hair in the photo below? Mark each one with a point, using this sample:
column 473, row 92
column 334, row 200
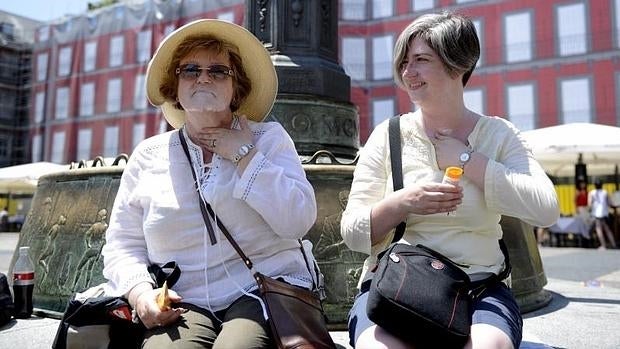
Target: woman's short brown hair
column 241, row 83
column 453, row 38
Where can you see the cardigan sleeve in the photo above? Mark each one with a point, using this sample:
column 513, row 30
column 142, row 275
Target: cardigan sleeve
column 515, row 184
column 370, row 181
column 274, row 184
column 125, row 253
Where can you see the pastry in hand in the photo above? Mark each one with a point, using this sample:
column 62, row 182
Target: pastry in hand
column 163, row 300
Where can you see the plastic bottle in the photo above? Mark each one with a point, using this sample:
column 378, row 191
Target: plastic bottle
column 23, row 284
column 452, row 175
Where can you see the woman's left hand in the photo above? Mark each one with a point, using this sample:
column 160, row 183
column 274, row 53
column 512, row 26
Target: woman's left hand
column 447, row 149
column 226, row 142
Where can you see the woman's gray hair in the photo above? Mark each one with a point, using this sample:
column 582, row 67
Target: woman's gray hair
column 453, row 38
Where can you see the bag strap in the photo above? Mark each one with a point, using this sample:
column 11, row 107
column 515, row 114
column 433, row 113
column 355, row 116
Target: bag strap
column 397, row 167
column 205, row 208
column 397, row 180
column 169, row 272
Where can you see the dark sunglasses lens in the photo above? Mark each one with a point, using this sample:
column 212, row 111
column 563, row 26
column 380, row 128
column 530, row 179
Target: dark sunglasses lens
column 190, row 71
column 218, row 72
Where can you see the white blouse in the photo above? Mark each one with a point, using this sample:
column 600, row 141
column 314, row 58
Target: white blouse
column 156, row 217
column 514, row 185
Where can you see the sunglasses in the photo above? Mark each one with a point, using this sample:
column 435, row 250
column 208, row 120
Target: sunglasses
column 216, row 72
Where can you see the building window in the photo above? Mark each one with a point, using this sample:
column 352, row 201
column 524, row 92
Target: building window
column 139, row 93
column 353, row 10
column 480, row 33
column 62, row 103
column 421, row 5
column 168, row 29
column 87, row 99
column 110, row 141
column 85, row 137
column 58, row 147
column 227, row 16
column 44, row 33
column 382, row 8
column 114, row 96
column 39, row 106
column 382, row 109
column 572, row 34
column 382, row 57
column 354, row 57
column 138, row 134
column 474, row 100
column 575, row 100
column 90, row 55
column 42, row 66
column 36, row 149
column 116, row 50
column 521, row 106
column 464, row 1
column 163, row 125
column 518, row 37
column 144, row 46
column 617, row 21
column 64, row 61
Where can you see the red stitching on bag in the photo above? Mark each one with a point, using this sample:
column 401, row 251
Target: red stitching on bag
column 402, row 282
column 454, row 308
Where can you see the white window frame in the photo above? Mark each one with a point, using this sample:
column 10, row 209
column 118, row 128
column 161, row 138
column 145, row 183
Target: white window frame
column 42, row 61
column 354, row 57
column 84, row 144
column 382, row 109
column 353, row 10
column 87, row 99
column 480, row 32
column 64, row 61
column 422, row 5
column 43, row 33
column 117, row 50
column 572, row 29
column 90, row 56
column 474, row 99
column 138, row 134
column 616, row 24
column 228, row 16
column 139, row 93
column 575, row 100
column 35, row 151
column 39, row 107
column 521, row 105
column 62, row 103
column 114, row 96
column 518, row 34
column 382, row 47
column 58, row 147
column 145, row 37
column 110, row 141
column 382, row 8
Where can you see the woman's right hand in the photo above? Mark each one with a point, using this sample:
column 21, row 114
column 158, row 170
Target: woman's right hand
column 429, row 198
column 149, row 313
column 420, row 199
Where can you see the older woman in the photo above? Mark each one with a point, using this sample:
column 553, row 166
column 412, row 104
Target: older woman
column 214, row 82
column 433, row 60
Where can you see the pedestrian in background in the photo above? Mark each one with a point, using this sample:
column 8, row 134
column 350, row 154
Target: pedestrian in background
column 4, row 219
column 599, row 204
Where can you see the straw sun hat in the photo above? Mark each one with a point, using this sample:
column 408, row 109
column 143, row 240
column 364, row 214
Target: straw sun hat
column 256, row 63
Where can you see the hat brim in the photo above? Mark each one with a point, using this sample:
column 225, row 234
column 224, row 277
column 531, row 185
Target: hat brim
column 255, row 59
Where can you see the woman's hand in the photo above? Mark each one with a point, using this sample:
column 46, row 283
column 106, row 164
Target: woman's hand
column 447, row 149
column 420, row 199
column 429, row 198
column 148, row 311
column 226, row 142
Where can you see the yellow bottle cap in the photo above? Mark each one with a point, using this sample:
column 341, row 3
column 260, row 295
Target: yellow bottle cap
column 454, row 172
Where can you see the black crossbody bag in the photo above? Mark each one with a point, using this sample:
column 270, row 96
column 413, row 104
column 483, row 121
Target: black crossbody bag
column 418, row 294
